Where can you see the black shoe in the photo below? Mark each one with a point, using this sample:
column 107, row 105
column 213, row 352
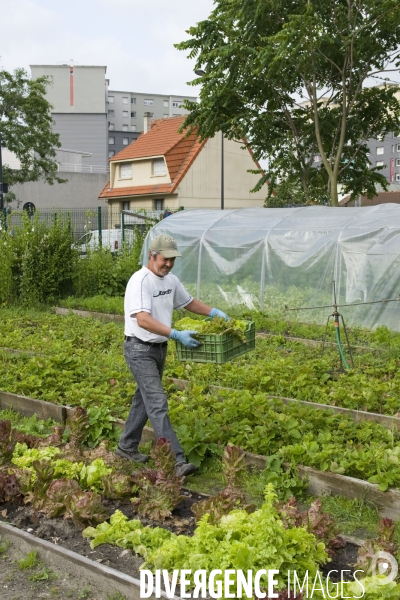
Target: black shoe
column 133, row 455
column 182, row 469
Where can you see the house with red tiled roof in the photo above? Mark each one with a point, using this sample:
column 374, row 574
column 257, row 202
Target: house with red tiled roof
column 167, row 169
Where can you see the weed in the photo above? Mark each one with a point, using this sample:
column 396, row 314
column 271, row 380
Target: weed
column 85, row 593
column 43, row 575
column 4, row 546
column 116, row 596
column 31, row 560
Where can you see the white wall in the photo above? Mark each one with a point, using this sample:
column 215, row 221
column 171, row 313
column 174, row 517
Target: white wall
column 201, row 185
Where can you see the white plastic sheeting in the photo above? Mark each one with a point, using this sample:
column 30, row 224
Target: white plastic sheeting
column 268, row 258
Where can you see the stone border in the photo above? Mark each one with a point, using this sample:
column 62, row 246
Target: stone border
column 104, row 579
column 320, row 482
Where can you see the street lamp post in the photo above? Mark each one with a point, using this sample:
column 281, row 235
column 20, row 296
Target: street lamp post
column 201, row 73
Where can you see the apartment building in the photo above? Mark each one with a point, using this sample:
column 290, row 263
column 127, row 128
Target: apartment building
column 78, row 95
column 126, row 111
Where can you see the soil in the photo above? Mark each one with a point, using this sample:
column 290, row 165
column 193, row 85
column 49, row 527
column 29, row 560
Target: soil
column 64, row 533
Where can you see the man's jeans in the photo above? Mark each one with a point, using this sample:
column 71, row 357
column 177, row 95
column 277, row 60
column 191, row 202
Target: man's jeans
column 149, row 401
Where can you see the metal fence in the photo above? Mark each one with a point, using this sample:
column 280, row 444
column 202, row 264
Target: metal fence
column 106, row 223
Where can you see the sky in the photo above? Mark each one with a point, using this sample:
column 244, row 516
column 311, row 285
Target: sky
column 133, row 38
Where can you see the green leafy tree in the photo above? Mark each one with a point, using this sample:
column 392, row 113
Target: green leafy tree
column 291, row 76
column 25, row 128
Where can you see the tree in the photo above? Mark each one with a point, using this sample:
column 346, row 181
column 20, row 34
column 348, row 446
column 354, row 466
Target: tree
column 25, row 128
column 290, row 76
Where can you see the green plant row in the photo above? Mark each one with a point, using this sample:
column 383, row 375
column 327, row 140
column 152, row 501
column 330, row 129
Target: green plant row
column 277, row 324
column 294, row 433
column 82, row 363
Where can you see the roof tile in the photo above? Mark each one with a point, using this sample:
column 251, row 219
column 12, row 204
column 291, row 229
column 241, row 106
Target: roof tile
column 163, row 139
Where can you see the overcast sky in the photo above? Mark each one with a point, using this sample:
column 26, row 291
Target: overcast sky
column 133, row 38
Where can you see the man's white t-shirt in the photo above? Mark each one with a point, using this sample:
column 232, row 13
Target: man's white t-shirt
column 158, row 296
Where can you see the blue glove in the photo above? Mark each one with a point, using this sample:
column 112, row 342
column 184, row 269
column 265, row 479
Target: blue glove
column 218, row 313
column 185, row 338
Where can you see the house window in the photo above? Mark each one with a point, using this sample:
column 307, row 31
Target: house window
column 125, row 141
column 125, row 170
column 111, row 127
column 397, row 162
column 176, row 103
column 133, row 127
column 125, row 114
column 380, row 149
column 166, row 103
column 124, row 127
column 111, row 140
column 397, row 176
column 165, row 115
column 124, row 99
column 133, row 100
column 111, row 153
column 159, row 204
column 159, row 166
column 397, row 147
column 133, row 115
column 111, row 112
column 111, row 99
column 379, row 163
column 149, row 102
column 126, row 205
column 317, row 158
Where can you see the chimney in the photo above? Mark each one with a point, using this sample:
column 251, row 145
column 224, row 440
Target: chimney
column 147, row 122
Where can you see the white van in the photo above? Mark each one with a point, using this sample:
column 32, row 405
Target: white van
column 110, row 238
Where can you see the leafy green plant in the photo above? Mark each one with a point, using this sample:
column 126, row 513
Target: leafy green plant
column 314, row 520
column 59, row 494
column 6, row 443
column 217, row 326
column 85, row 508
column 232, row 497
column 158, row 490
column 9, row 487
column 384, row 542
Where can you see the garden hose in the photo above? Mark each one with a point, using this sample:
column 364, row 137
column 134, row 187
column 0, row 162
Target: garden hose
column 346, row 366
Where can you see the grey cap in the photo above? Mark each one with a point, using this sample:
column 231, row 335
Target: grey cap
column 166, row 245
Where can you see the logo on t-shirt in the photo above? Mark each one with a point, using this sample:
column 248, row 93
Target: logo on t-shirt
column 161, row 293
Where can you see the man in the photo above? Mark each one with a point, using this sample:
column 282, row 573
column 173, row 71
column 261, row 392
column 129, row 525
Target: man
column 151, row 295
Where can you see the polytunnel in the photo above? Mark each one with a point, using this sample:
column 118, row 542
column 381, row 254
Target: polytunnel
column 269, row 259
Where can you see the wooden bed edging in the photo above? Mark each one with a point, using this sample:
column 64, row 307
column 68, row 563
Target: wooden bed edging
column 356, row 415
column 103, row 578
column 320, row 482
column 88, row 313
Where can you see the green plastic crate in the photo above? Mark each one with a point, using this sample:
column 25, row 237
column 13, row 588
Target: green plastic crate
column 218, row 348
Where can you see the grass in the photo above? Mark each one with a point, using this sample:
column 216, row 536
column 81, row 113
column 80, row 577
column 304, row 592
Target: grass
column 116, row 596
column 353, row 517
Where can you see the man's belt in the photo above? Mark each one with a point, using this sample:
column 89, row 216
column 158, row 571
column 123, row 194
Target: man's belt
column 129, row 338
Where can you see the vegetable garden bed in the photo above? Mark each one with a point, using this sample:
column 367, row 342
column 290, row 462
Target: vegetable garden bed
column 320, row 482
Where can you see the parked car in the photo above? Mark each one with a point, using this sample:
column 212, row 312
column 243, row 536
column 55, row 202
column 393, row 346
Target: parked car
column 110, row 238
